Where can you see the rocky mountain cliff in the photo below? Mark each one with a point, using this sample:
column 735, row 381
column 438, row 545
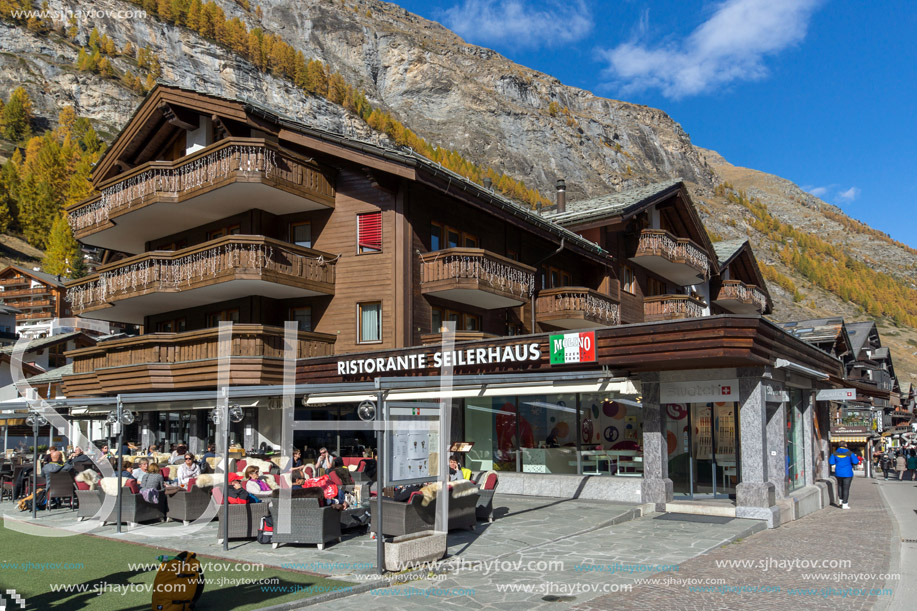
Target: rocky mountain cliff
column 455, row 95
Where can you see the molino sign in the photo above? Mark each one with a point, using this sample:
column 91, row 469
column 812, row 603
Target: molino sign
column 572, row 348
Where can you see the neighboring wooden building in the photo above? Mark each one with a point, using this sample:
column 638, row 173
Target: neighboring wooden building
column 38, row 296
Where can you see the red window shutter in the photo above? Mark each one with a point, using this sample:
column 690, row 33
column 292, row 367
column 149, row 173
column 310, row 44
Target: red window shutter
column 369, row 232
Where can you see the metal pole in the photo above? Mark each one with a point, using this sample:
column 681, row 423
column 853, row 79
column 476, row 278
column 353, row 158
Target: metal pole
column 120, row 410
column 380, row 481
column 6, row 430
column 35, row 464
column 224, row 422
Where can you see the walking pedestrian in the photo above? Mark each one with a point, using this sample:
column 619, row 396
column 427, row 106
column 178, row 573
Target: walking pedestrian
column 911, row 466
column 900, row 465
column 886, row 464
column 843, row 461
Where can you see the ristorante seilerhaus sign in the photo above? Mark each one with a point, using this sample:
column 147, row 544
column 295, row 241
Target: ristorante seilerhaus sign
column 493, row 355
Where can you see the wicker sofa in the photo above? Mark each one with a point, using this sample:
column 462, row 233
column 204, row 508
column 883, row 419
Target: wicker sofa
column 244, row 520
column 188, row 505
column 311, row 523
column 412, row 516
column 134, row 508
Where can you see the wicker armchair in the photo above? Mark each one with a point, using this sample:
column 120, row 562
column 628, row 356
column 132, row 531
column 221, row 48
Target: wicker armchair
column 310, row 522
column 244, row 520
column 487, row 487
column 134, row 508
column 411, row 517
column 188, row 505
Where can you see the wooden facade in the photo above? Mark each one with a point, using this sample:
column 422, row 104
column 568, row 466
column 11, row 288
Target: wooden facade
column 211, row 210
column 37, row 296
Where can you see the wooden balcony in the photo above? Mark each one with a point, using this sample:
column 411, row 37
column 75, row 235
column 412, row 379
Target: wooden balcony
column 226, row 268
column 678, row 260
column 162, row 198
column 672, row 307
column 741, row 298
column 476, row 277
column 576, row 308
column 35, row 315
column 175, row 361
column 42, row 290
column 428, row 339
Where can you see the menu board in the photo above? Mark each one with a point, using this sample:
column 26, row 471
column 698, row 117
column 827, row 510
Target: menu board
column 411, row 456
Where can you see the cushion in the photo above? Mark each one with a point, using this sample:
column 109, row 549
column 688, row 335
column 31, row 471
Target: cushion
column 205, row 481
column 190, row 484
column 351, row 460
column 302, row 493
column 89, row 478
column 217, row 495
column 459, row 489
column 133, row 485
column 109, row 485
column 213, row 461
column 241, row 464
column 264, row 466
column 82, row 486
column 490, row 480
column 165, row 472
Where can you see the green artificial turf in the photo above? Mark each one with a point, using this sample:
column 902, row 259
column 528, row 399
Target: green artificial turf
column 103, row 565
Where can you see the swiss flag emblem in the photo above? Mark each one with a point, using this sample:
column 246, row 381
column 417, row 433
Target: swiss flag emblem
column 726, row 391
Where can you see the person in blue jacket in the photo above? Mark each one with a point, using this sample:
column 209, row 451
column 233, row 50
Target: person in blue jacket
column 843, row 461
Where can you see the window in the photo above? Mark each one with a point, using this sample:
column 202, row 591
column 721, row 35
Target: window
column 630, row 283
column 470, row 241
column 214, row 318
column 174, row 245
column 437, row 322
column 370, row 322
column 566, row 279
column 555, row 278
column 512, row 254
column 453, row 238
column 655, row 287
column 171, row 326
column 436, row 236
column 369, row 232
column 471, row 322
column 303, row 317
column 463, row 321
column 301, row 234
column 224, row 231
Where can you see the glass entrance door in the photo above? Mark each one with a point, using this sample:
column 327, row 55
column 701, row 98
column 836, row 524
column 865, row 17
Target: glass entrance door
column 702, row 442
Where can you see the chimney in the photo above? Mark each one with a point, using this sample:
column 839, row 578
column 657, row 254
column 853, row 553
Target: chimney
column 561, row 196
column 488, row 183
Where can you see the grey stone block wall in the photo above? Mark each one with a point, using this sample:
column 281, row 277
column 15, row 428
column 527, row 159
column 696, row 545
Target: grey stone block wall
column 656, row 486
column 592, row 487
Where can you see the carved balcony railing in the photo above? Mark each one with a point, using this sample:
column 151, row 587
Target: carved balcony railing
column 672, row 307
column 736, row 292
column 428, row 339
column 227, row 161
column 35, row 315
column 573, row 307
column 677, row 259
column 476, row 277
column 25, row 292
column 222, row 260
column 165, row 361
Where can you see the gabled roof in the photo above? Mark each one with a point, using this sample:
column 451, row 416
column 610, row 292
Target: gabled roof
column 821, row 331
column 727, row 250
column 40, row 276
column 614, row 204
column 8, row 309
column 53, row 340
column 860, row 332
column 52, row 375
column 740, row 255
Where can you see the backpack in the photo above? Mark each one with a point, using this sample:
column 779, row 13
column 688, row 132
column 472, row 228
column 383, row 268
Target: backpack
column 26, row 503
column 266, row 531
column 179, row 583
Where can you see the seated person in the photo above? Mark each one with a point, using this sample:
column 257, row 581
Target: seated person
column 153, row 478
column 55, row 463
column 46, row 457
column 325, row 460
column 298, row 465
column 253, row 481
column 457, row 473
column 188, row 470
column 210, row 453
column 79, row 461
column 298, row 481
column 238, row 495
column 154, row 449
column 106, row 453
column 126, row 471
column 141, row 470
column 178, row 456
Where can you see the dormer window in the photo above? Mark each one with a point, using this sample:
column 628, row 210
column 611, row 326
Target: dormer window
column 199, row 138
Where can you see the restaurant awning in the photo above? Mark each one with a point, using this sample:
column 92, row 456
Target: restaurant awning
column 849, row 438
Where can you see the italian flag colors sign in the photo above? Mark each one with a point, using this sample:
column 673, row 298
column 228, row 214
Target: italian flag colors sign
column 573, row 348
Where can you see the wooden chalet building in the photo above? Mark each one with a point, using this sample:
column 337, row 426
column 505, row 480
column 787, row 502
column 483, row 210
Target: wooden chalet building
column 38, row 296
column 634, row 357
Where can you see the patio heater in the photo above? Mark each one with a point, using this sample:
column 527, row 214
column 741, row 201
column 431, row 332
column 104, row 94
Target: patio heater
column 221, row 418
column 117, row 419
column 36, row 421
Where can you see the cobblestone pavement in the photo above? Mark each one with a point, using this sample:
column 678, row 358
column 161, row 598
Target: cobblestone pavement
column 861, row 534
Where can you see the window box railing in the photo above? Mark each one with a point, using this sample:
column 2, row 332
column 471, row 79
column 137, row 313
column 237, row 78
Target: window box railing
column 735, row 290
column 576, row 302
column 485, row 270
column 661, row 243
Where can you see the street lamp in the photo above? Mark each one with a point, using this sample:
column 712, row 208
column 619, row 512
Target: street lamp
column 221, row 418
column 36, row 421
column 118, row 418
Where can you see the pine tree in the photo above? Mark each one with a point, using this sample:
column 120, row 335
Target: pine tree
column 17, row 116
column 63, row 256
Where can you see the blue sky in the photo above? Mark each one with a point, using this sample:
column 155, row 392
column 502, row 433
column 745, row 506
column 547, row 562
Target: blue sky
column 821, row 92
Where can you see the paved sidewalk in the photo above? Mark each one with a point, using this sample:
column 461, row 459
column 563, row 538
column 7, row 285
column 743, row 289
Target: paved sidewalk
column 861, row 534
column 901, row 499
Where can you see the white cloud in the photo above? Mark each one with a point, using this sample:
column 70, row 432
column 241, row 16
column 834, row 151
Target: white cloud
column 520, row 23
column 730, row 46
column 850, row 194
column 817, row 191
